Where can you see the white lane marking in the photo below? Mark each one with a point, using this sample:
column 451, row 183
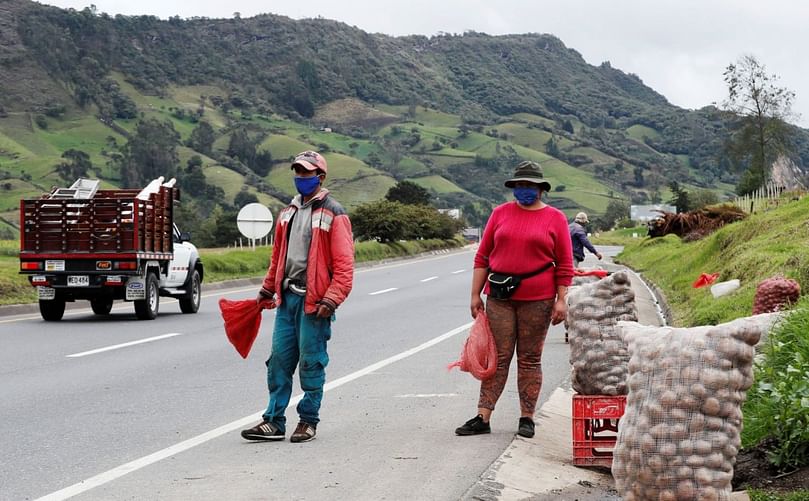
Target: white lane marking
column 132, row 466
column 458, row 271
column 429, row 278
column 383, row 291
column 427, row 395
column 124, row 345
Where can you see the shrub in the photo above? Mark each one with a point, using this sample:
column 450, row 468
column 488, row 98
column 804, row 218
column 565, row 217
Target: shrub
column 778, row 402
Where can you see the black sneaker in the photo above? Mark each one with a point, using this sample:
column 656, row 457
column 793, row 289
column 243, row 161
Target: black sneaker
column 263, row 431
column 526, row 428
column 303, row 433
column 474, row 426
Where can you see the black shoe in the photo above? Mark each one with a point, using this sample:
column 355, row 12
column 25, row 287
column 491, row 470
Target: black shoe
column 263, row 431
column 303, row 433
column 526, row 428
column 474, row 426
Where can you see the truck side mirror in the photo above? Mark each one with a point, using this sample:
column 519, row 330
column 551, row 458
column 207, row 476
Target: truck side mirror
column 185, row 236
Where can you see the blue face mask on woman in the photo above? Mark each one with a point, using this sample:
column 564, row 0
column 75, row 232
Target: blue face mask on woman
column 526, row 196
column 306, row 185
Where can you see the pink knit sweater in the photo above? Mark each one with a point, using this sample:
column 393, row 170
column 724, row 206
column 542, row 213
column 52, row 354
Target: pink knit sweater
column 518, row 241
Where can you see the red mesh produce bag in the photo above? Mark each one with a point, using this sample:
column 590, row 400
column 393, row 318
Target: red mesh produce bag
column 577, row 272
column 705, row 279
column 242, row 321
column 479, row 355
column 773, row 293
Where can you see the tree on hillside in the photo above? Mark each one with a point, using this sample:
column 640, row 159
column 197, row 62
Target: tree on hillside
column 551, row 148
column 762, row 132
column 702, row 198
column 202, row 138
column 76, row 165
column 150, row 153
column 244, row 197
column 193, row 179
column 567, row 126
column 241, row 146
column 408, row 192
column 616, row 211
column 679, row 197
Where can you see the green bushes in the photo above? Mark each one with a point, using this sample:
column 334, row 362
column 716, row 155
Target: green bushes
column 387, row 221
column 778, row 403
column 229, row 264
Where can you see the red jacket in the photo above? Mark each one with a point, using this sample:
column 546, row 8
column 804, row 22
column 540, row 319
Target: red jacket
column 330, row 266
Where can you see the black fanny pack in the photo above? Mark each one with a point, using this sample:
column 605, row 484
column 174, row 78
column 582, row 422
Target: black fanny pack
column 502, row 286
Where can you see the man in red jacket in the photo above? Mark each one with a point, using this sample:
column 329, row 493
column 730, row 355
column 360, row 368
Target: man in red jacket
column 311, row 273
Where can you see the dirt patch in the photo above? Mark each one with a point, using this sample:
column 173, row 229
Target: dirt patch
column 752, row 470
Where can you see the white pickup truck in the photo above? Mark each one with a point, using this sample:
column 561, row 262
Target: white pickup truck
column 117, row 245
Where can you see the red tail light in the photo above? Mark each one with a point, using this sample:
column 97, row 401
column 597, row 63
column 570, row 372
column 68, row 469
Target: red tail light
column 125, row 265
column 31, row 265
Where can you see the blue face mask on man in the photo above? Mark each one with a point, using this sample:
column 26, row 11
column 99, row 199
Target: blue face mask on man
column 526, row 196
column 306, row 185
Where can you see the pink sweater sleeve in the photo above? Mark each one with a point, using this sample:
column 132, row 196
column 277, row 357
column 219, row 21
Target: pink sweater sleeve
column 486, row 242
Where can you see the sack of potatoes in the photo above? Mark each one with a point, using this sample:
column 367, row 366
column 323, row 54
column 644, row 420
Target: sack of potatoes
column 598, row 355
column 680, row 432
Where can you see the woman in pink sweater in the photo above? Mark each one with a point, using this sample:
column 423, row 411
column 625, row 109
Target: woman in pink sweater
column 521, row 238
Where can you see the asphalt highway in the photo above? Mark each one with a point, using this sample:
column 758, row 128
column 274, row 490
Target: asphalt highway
column 113, row 408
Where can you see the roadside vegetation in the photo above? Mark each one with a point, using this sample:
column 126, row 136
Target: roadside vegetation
column 776, row 413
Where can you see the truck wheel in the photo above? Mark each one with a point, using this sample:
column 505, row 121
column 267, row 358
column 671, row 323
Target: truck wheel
column 52, row 310
column 190, row 302
column 146, row 309
column 101, row 305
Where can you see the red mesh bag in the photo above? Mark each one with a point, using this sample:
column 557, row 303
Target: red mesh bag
column 578, row 272
column 705, row 279
column 242, row 321
column 773, row 293
column 479, row 355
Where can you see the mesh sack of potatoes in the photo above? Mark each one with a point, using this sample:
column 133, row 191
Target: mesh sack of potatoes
column 679, row 435
column 597, row 352
column 584, row 280
column 774, row 293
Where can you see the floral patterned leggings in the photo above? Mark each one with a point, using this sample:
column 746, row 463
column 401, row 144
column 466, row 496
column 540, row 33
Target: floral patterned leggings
column 524, row 324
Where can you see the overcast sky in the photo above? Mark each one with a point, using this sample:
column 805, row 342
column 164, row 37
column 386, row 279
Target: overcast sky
column 678, row 47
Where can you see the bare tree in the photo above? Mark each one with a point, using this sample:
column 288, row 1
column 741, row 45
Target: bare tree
column 762, row 109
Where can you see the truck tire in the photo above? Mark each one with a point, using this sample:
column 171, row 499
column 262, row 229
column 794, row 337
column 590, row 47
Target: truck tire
column 190, row 302
column 146, row 309
column 52, row 310
column 101, row 305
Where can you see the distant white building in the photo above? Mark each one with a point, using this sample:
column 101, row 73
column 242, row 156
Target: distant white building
column 453, row 213
column 645, row 213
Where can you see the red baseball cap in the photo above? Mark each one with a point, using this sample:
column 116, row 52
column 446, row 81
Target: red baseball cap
column 310, row 160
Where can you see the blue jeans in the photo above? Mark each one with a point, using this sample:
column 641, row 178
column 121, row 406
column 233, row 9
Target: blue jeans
column 297, row 338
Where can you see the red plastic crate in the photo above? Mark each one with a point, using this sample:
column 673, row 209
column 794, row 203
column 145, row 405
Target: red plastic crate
column 593, row 415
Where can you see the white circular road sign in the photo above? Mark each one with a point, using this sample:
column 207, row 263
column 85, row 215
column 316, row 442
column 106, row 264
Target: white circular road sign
column 254, row 221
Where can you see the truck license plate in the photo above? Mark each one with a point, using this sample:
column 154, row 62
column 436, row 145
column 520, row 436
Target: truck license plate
column 78, row 280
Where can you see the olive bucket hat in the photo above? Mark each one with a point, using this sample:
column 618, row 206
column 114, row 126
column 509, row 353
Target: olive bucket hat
column 531, row 172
